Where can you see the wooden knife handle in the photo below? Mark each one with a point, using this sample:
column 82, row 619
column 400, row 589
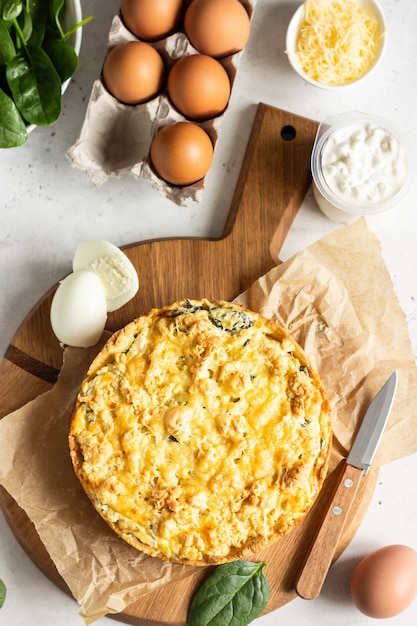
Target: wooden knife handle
column 320, row 555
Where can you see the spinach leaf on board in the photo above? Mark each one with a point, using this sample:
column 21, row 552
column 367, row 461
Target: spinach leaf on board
column 2, row 593
column 233, row 595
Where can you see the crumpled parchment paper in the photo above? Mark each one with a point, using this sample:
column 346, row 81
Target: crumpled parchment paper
column 337, row 300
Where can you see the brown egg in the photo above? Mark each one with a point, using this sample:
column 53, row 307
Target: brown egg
column 385, row 582
column 181, row 153
column 199, row 86
column 133, row 72
column 217, row 27
column 151, row 19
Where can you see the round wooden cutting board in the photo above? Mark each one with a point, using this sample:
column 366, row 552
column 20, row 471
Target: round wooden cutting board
column 274, row 179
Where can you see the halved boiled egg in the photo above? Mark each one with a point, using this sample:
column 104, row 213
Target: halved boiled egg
column 79, row 310
column 117, row 274
column 103, row 280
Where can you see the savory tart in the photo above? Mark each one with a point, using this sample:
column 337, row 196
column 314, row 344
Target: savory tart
column 201, row 432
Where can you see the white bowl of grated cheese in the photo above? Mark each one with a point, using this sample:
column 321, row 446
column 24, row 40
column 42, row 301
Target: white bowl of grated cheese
column 336, row 43
column 361, row 165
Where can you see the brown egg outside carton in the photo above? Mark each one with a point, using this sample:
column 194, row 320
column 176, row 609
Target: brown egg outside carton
column 103, row 151
column 384, row 583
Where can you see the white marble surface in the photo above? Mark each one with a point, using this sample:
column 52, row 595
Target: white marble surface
column 46, row 208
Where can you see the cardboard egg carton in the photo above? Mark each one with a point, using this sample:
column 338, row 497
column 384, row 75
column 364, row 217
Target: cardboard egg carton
column 115, row 138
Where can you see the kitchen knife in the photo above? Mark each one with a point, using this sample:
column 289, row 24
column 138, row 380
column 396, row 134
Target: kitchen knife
column 320, row 555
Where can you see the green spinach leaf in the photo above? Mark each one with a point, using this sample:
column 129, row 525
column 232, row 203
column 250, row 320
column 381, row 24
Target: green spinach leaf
column 13, row 131
column 25, row 23
column 56, row 8
column 35, row 60
column 35, row 86
column 233, row 595
column 62, row 55
column 39, row 13
column 7, row 49
column 2, row 593
column 11, row 9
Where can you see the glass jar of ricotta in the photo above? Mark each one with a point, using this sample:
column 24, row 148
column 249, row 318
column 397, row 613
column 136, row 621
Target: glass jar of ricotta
column 361, row 165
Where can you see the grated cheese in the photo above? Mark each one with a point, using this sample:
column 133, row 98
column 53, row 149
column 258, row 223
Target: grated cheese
column 337, row 41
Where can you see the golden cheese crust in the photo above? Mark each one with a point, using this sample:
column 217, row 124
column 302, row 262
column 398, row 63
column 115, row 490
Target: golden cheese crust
column 201, row 432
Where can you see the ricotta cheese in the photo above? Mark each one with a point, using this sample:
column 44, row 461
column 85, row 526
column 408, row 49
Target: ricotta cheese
column 364, row 164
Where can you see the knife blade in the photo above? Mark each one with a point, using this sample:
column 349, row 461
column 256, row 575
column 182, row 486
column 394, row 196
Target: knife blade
column 351, row 471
